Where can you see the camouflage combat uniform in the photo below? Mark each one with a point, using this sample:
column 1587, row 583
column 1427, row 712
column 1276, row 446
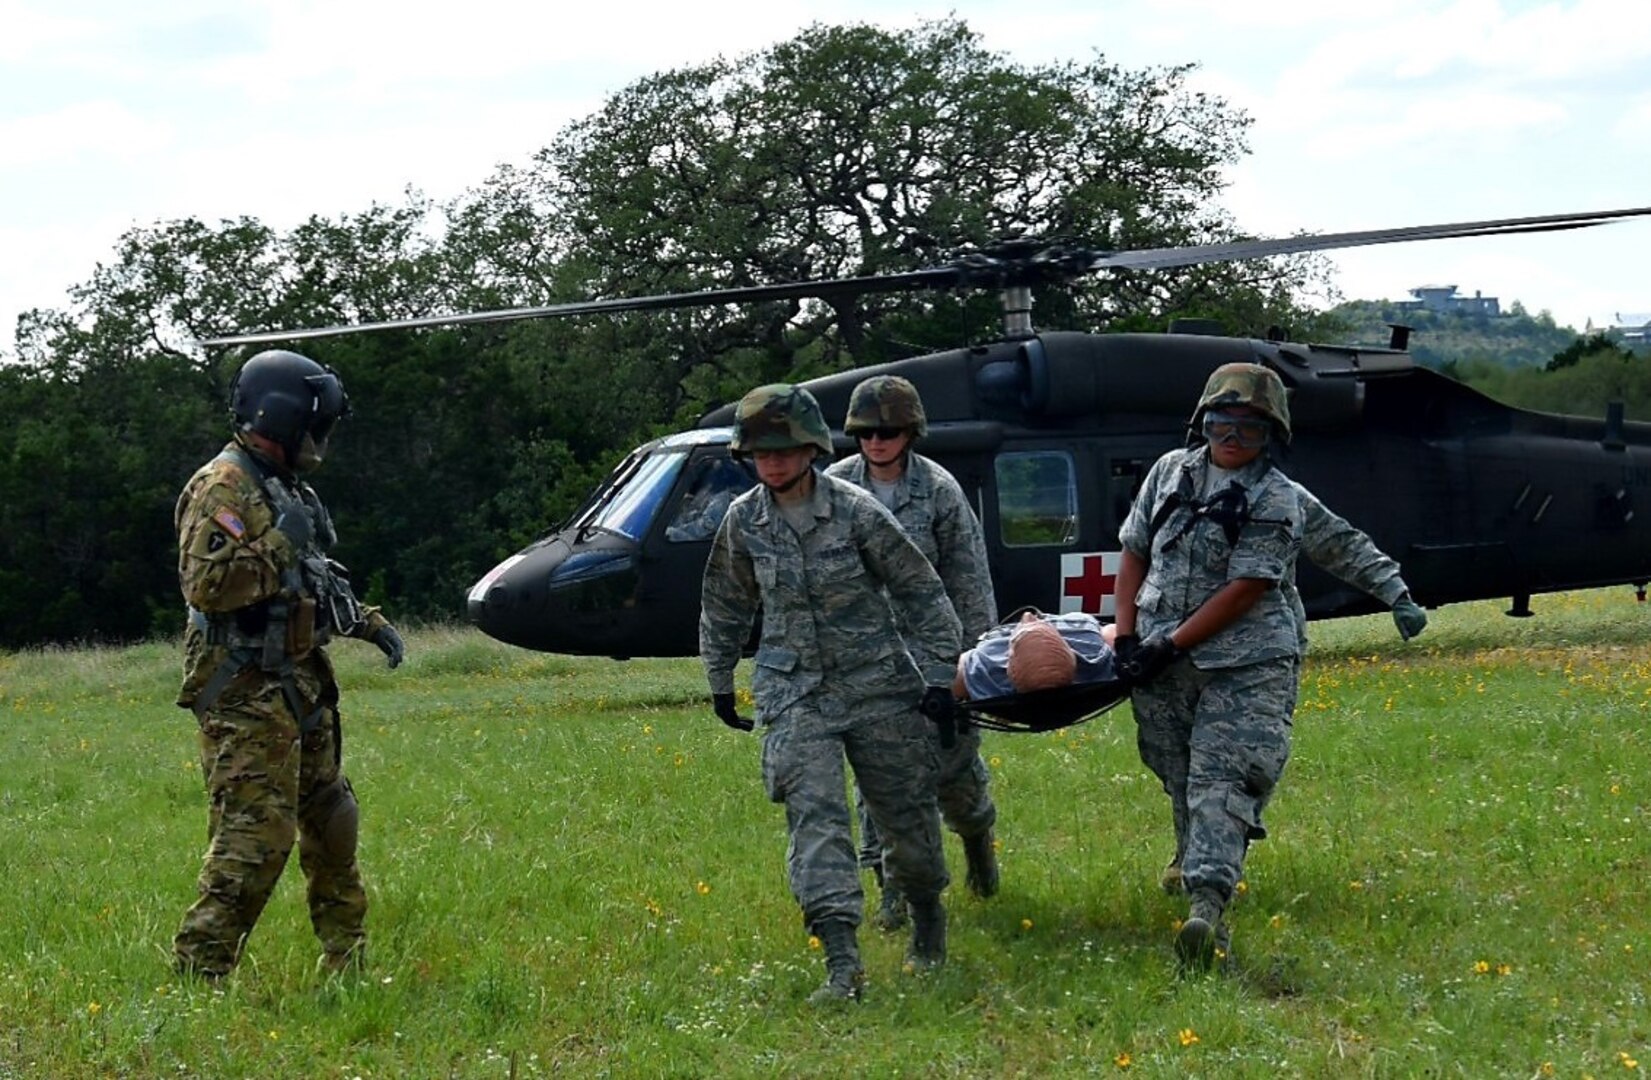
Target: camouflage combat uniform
column 832, row 677
column 270, row 743
column 1334, row 545
column 1214, row 726
column 934, row 512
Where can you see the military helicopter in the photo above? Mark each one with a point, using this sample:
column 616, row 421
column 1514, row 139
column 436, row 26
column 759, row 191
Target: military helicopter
column 1051, row 433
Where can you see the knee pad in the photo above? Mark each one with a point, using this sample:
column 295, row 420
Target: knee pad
column 331, row 823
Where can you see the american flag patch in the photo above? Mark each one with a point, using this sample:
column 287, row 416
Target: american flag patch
column 229, row 523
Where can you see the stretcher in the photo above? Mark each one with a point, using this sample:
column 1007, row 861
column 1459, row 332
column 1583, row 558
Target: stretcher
column 1043, row 710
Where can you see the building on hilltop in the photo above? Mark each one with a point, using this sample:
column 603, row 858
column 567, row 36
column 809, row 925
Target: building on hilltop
column 1443, row 298
column 1630, row 329
column 1633, row 329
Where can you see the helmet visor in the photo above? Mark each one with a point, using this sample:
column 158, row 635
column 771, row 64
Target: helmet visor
column 1236, row 429
column 331, row 404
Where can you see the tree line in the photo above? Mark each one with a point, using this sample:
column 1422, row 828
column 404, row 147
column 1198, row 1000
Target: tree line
column 847, row 150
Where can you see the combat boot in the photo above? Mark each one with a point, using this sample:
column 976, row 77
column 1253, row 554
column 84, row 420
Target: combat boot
column 891, row 909
column 1170, row 879
column 844, row 975
column 1203, row 938
column 928, row 934
column 980, row 851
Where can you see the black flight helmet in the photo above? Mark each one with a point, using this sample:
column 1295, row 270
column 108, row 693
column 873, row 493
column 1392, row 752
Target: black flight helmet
column 289, row 399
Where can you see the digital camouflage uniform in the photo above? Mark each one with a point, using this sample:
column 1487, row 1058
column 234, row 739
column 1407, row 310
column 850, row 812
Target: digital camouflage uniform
column 268, row 781
column 833, row 677
column 1335, row 546
column 932, row 509
column 1214, row 726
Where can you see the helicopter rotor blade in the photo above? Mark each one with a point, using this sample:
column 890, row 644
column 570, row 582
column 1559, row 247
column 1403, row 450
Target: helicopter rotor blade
column 1159, row 258
column 1017, row 263
column 935, row 278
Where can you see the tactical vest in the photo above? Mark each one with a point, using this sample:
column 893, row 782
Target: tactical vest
column 316, row 601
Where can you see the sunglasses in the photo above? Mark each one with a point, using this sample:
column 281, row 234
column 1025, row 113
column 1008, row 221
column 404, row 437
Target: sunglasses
column 1245, row 431
column 887, row 434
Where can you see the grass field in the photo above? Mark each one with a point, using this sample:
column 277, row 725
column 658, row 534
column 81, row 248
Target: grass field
column 574, row 871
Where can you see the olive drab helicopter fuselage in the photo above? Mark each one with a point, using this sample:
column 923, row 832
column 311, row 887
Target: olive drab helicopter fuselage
column 1051, row 433
column 1050, row 437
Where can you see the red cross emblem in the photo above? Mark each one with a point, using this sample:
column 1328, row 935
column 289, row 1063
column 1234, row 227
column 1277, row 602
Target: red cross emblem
column 1088, row 582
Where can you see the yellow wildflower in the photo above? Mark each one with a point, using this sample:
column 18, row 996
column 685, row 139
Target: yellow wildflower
column 1188, row 1037
column 1123, row 1060
column 1481, row 967
column 702, row 888
column 813, row 942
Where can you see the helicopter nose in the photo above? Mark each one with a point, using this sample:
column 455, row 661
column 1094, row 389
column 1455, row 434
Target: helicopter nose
column 498, row 602
column 554, row 598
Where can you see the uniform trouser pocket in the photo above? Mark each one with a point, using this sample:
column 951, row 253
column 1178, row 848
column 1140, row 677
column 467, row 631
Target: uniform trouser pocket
column 896, row 763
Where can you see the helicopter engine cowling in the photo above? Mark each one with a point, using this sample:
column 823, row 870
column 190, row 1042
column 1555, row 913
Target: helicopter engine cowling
column 1058, row 376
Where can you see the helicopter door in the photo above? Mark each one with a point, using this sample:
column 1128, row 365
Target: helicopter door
column 675, row 550
column 1034, row 516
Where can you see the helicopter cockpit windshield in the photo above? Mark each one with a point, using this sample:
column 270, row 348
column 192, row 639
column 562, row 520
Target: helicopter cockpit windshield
column 632, row 507
column 642, row 484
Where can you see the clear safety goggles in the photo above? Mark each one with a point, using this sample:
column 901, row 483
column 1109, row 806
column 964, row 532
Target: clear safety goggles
column 1234, row 429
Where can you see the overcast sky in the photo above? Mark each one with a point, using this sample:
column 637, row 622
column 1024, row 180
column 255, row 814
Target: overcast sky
column 1367, row 115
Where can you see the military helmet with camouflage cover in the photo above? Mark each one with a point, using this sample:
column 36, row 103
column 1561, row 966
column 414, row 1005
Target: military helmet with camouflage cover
column 779, row 416
column 885, row 401
column 1246, row 384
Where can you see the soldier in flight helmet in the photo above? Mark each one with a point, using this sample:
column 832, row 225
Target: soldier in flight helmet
column 291, row 400
column 857, row 633
column 264, row 599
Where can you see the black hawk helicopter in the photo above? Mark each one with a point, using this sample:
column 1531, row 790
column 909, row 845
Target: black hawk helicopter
column 1051, row 433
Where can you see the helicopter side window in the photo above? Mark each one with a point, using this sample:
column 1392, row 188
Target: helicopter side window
column 634, row 506
column 713, row 486
column 1127, row 474
column 1037, row 497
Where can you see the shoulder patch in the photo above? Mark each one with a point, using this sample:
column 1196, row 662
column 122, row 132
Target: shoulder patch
column 230, row 523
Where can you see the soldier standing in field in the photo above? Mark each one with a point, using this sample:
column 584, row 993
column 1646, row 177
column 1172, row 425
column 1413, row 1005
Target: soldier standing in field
column 885, row 415
column 1210, row 631
column 835, row 579
column 263, row 601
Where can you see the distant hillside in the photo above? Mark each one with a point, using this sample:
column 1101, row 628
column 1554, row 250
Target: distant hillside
column 1437, row 339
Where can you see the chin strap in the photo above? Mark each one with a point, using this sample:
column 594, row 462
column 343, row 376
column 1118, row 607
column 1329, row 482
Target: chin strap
column 781, row 489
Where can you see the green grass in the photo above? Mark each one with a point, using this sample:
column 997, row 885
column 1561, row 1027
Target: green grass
column 573, row 870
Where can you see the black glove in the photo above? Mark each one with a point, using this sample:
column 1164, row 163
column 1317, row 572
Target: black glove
column 1145, row 659
column 941, row 709
column 386, row 638
column 295, row 524
column 1124, row 648
column 723, row 704
column 1409, row 617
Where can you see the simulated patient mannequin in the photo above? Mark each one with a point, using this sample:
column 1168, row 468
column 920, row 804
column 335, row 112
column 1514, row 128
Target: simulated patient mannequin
column 1040, row 652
